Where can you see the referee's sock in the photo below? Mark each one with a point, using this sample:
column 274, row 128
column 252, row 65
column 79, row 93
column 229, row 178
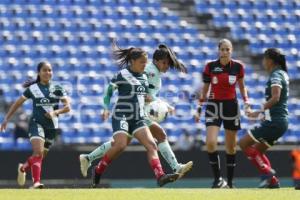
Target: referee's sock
column 230, row 163
column 214, row 161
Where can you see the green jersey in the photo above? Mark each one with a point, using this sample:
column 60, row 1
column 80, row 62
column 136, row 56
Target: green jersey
column 132, row 88
column 278, row 111
column 154, row 79
column 45, row 98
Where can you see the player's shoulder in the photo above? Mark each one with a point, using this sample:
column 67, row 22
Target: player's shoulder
column 238, row 63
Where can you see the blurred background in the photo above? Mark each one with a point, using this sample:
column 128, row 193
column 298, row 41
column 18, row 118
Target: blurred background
column 75, row 37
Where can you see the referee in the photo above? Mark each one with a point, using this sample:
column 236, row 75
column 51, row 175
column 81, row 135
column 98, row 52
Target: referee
column 220, row 77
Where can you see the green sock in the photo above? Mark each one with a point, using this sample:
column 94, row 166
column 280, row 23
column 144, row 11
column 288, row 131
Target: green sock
column 99, row 151
column 168, row 154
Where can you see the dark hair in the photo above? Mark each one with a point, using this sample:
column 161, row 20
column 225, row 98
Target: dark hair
column 163, row 52
column 223, row 41
column 123, row 56
column 277, row 57
column 29, row 82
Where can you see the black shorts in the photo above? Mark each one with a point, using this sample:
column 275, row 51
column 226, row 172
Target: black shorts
column 225, row 111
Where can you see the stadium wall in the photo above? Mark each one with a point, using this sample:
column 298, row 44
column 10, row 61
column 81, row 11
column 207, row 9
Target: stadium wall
column 64, row 164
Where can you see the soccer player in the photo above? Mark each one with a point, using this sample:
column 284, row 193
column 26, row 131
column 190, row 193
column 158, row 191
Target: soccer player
column 43, row 123
column 163, row 59
column 221, row 76
column 258, row 140
column 128, row 118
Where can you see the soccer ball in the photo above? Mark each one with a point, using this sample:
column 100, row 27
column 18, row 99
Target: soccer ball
column 157, row 110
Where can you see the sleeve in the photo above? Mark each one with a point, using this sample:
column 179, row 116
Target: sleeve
column 27, row 94
column 241, row 72
column 109, row 91
column 206, row 74
column 276, row 80
column 60, row 92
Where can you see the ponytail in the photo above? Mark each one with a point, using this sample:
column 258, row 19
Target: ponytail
column 124, row 56
column 30, row 82
column 163, row 52
column 277, row 57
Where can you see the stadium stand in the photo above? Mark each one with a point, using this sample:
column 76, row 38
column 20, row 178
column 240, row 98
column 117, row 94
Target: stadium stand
column 75, row 36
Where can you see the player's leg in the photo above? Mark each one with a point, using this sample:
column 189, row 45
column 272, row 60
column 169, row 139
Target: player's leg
column 34, row 162
column 165, row 149
column 143, row 135
column 120, row 143
column 213, row 156
column 230, row 145
column 86, row 159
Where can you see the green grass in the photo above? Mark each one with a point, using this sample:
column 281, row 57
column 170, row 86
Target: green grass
column 151, row 194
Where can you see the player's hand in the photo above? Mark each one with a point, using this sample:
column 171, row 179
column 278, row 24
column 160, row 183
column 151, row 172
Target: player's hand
column 3, row 126
column 247, row 109
column 171, row 110
column 254, row 114
column 148, row 98
column 105, row 114
column 51, row 114
column 197, row 114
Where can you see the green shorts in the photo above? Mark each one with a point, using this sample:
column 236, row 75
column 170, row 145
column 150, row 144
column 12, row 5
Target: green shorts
column 130, row 127
column 269, row 132
column 38, row 131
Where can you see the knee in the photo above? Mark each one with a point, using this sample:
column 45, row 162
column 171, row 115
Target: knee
column 211, row 146
column 161, row 137
column 120, row 146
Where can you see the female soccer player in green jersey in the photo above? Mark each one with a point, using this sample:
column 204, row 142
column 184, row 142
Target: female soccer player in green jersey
column 43, row 124
column 275, row 123
column 128, row 117
column 163, row 59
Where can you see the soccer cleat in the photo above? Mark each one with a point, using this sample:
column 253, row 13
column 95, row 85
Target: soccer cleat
column 37, row 185
column 219, row 183
column 21, row 175
column 230, row 185
column 167, row 178
column 266, row 179
column 184, row 168
column 95, row 178
column 84, row 164
column 274, row 183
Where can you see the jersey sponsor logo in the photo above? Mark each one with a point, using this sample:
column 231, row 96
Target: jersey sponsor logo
column 141, row 89
column 232, row 79
column 218, row 69
column 215, row 80
column 45, row 101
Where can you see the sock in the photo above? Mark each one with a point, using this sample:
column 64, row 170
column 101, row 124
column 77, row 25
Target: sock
column 214, row 161
column 259, row 160
column 156, row 167
column 99, row 151
column 168, row 154
column 230, row 163
column 26, row 166
column 36, row 167
column 102, row 165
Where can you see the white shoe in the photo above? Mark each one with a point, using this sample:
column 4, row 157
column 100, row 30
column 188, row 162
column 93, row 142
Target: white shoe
column 21, row 175
column 84, row 164
column 184, row 168
column 37, row 185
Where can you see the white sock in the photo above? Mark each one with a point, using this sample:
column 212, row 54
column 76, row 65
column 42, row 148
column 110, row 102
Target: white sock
column 168, row 154
column 99, row 152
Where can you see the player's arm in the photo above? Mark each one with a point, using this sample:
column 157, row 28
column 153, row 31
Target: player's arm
column 11, row 111
column 106, row 100
column 244, row 93
column 275, row 92
column 66, row 106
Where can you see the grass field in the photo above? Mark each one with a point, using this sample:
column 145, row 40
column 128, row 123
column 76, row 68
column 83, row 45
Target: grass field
column 143, row 194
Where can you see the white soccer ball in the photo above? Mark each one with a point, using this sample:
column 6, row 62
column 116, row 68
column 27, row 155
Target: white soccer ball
column 157, row 110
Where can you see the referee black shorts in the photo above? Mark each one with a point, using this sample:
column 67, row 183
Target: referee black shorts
column 223, row 111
